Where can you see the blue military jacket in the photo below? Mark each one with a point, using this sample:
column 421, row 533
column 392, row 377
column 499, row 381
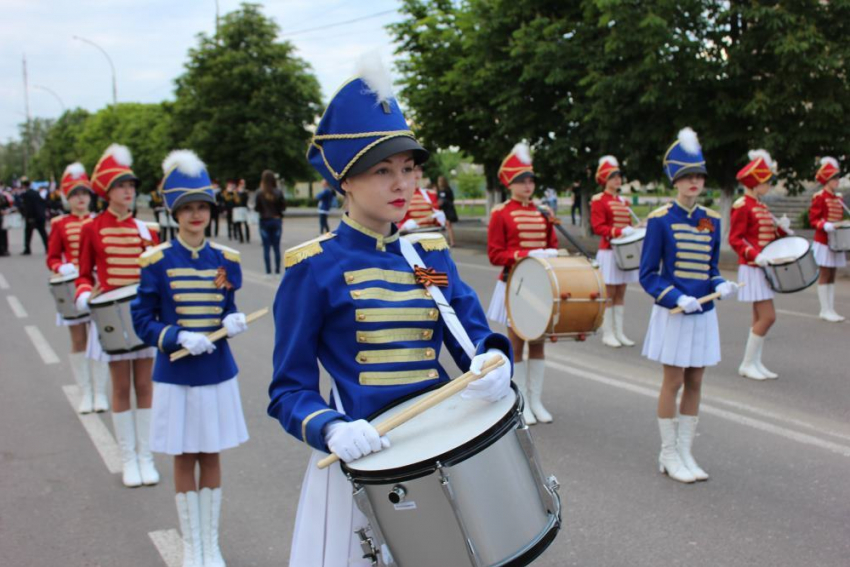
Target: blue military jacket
column 680, row 254
column 187, row 289
column 349, row 301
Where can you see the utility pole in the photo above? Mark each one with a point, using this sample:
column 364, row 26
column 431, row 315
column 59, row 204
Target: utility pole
column 25, row 142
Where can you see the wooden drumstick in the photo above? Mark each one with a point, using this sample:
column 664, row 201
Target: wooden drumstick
column 704, row 299
column 426, row 403
column 219, row 334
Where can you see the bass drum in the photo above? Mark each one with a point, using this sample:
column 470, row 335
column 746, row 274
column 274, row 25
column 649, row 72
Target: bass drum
column 460, row 486
column 555, row 297
column 792, row 264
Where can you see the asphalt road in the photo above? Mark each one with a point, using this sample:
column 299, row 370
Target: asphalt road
column 778, row 452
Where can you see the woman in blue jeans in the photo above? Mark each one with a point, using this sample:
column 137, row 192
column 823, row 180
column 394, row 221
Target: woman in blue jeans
column 270, row 206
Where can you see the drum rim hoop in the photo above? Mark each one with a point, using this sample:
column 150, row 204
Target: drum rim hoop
column 552, row 284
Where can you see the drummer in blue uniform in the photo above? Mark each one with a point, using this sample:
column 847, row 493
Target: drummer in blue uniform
column 187, row 289
column 350, row 301
column 678, row 266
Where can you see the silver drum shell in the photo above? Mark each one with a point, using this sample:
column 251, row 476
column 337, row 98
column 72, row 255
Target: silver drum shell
column 627, row 255
column 839, row 239
column 64, row 293
column 793, row 276
column 115, row 326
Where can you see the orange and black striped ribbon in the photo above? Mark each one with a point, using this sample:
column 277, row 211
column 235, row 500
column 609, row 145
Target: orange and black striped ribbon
column 429, row 276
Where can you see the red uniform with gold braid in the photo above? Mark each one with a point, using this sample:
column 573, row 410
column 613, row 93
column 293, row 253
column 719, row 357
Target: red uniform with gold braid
column 423, row 205
column 825, row 211
column 63, row 247
column 609, row 215
column 515, row 230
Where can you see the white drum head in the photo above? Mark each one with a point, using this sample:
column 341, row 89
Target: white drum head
column 638, row 234
column 437, row 431
column 788, row 247
column 59, row 280
column 530, row 298
column 115, row 295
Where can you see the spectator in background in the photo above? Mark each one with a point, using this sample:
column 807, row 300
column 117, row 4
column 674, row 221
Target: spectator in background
column 550, row 197
column 325, row 199
column 7, row 205
column 241, row 228
column 576, row 189
column 216, row 210
column 228, row 199
column 55, row 206
column 270, row 206
column 161, row 215
column 35, row 215
column 446, row 202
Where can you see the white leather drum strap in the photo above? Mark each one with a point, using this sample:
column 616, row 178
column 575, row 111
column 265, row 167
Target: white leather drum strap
column 448, row 314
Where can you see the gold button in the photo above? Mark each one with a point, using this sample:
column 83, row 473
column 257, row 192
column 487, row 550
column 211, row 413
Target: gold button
column 361, row 339
column 356, row 294
column 432, row 313
column 349, row 279
column 427, row 294
column 364, row 358
column 433, row 374
column 426, row 334
column 361, row 317
column 429, row 352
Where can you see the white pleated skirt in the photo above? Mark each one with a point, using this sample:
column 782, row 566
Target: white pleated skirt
column 756, row 288
column 686, row 341
column 611, row 274
column 62, row 322
column 95, row 352
column 827, row 258
column 200, row 419
column 498, row 310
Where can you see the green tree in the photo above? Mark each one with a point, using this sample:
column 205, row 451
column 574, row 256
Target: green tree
column 246, row 101
column 61, row 145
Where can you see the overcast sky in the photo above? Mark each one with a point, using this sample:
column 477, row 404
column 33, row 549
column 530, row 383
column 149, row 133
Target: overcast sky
column 148, row 41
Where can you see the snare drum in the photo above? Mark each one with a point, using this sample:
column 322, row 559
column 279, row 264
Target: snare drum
column 240, row 214
column 627, row 249
column 460, row 486
column 555, row 297
column 111, row 313
column 839, row 239
column 63, row 290
column 792, row 264
column 13, row 220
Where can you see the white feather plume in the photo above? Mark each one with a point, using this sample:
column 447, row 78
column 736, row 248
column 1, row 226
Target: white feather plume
column 186, row 162
column 75, row 170
column 522, row 152
column 765, row 155
column 371, row 69
column 610, row 159
column 829, row 160
column 689, row 141
column 121, row 154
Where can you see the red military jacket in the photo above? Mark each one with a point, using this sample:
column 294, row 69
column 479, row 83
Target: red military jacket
column 825, row 207
column 63, row 246
column 608, row 215
column 751, row 229
column 515, row 230
column 421, row 209
column 112, row 246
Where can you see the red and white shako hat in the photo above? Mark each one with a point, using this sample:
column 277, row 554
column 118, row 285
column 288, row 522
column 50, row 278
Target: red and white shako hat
column 608, row 166
column 827, row 170
column 74, row 178
column 760, row 169
column 113, row 167
column 517, row 166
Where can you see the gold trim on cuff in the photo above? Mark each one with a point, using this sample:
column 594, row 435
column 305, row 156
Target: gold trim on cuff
column 307, row 420
column 162, row 337
column 663, row 293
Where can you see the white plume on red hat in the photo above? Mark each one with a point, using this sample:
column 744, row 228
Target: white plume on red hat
column 765, row 155
column 371, row 69
column 522, row 153
column 186, row 162
column 689, row 141
column 609, row 159
column 121, row 154
column 75, row 170
column 829, row 160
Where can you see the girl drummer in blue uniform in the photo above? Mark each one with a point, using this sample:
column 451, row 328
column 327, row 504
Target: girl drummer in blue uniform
column 350, row 301
column 678, row 266
column 187, row 290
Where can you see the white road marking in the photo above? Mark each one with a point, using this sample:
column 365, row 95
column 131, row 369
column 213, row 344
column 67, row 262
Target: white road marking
column 17, row 306
column 797, row 314
column 740, row 419
column 170, row 546
column 47, row 354
column 3, row 283
column 100, row 436
column 259, row 279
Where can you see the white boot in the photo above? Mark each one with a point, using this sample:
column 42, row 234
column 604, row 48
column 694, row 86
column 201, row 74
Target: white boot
column 210, row 513
column 608, row 336
column 835, row 315
column 748, row 368
column 619, row 313
column 669, row 460
column 147, row 467
column 189, row 514
column 100, row 374
column 521, row 379
column 80, row 368
column 125, row 433
column 536, row 372
column 826, row 312
column 762, row 368
column 687, row 432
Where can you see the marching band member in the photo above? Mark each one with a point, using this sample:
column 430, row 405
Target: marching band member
column 187, row 290
column 752, row 227
column 350, row 301
column 518, row 229
column 63, row 253
column 109, row 251
column 610, row 217
column 424, row 210
column 824, row 212
column 678, row 266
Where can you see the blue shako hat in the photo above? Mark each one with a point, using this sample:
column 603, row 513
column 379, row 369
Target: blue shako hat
column 361, row 126
column 186, row 180
column 684, row 156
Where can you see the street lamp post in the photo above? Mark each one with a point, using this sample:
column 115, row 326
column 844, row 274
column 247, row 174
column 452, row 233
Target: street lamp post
column 108, row 58
column 56, row 96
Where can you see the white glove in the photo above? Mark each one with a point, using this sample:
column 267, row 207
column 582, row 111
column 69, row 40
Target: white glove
column 495, row 385
column 235, row 324
column 627, row 231
column 689, row 304
column 351, row 440
column 440, row 217
column 409, row 225
column 195, row 343
column 829, row 227
column 726, row 289
column 544, row 253
column 762, row 261
column 82, row 302
column 784, row 223
column 67, row 269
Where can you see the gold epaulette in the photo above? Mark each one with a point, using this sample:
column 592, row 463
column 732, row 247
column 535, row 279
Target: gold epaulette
column 229, row 253
column 298, row 254
column 711, row 212
column 596, row 197
column 499, row 207
column 153, row 255
column 54, row 219
column 739, row 203
column 429, row 241
column 659, row 212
